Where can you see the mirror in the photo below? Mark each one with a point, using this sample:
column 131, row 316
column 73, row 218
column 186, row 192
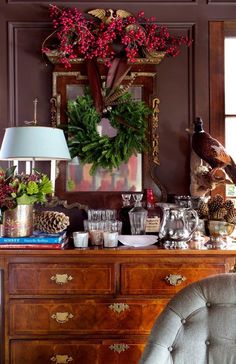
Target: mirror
column 128, row 177
column 74, row 181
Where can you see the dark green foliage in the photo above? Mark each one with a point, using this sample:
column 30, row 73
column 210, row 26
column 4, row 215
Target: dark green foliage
column 128, row 117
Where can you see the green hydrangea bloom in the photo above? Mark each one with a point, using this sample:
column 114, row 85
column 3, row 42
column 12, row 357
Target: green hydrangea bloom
column 32, row 188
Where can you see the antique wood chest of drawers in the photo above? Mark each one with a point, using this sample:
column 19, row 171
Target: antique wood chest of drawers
column 92, row 306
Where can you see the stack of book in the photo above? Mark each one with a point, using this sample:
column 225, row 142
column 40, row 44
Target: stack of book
column 39, row 240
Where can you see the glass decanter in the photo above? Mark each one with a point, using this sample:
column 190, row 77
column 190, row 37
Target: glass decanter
column 124, row 213
column 138, row 216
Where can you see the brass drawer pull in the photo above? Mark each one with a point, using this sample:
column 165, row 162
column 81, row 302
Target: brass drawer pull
column 61, row 359
column 62, row 317
column 119, row 348
column 61, row 278
column 175, row 279
column 118, row 307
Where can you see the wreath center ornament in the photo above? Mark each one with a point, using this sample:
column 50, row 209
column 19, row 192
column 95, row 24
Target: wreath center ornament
column 117, row 38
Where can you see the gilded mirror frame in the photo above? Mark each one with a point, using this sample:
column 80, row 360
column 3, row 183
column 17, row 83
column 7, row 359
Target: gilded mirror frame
column 145, row 76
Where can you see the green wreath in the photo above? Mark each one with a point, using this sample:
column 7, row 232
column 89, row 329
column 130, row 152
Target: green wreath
column 127, row 116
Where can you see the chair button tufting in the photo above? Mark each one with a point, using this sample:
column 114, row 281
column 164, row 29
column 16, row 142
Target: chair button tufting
column 183, row 321
column 207, row 342
column 170, row 348
column 208, row 304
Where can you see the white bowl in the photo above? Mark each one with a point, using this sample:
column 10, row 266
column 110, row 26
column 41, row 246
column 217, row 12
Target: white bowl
column 137, row 240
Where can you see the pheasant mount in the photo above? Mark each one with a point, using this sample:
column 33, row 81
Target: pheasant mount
column 218, row 160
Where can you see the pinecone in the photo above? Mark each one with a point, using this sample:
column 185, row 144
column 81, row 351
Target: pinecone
column 215, row 203
column 51, row 221
column 219, row 214
column 203, row 210
column 229, row 205
column 231, row 216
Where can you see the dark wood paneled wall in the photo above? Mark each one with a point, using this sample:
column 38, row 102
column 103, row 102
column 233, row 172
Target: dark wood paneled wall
column 182, row 83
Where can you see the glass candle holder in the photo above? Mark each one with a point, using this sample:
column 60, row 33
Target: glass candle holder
column 110, row 239
column 96, row 237
column 80, row 239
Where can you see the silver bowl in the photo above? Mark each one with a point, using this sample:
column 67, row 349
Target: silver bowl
column 218, row 233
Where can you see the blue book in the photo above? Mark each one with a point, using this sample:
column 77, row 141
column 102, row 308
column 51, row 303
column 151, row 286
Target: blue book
column 38, row 237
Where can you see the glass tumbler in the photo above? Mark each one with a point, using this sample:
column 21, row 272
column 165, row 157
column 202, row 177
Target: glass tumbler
column 96, row 229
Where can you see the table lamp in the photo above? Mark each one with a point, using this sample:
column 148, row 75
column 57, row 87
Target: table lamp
column 35, row 143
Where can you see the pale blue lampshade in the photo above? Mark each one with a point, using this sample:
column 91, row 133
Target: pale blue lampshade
column 34, row 143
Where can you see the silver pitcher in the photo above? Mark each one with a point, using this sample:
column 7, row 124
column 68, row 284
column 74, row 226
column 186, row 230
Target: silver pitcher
column 177, row 226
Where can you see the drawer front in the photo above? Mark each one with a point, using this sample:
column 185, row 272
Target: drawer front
column 164, row 278
column 62, row 278
column 45, row 317
column 52, row 352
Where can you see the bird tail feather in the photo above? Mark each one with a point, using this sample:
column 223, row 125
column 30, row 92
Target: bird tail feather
column 231, row 171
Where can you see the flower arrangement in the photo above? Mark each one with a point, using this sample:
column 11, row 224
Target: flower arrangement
column 116, row 32
column 22, row 189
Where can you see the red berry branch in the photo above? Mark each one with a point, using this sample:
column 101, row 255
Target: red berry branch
column 103, row 37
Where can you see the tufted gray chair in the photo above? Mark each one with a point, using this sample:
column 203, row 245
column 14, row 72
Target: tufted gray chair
column 198, row 325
